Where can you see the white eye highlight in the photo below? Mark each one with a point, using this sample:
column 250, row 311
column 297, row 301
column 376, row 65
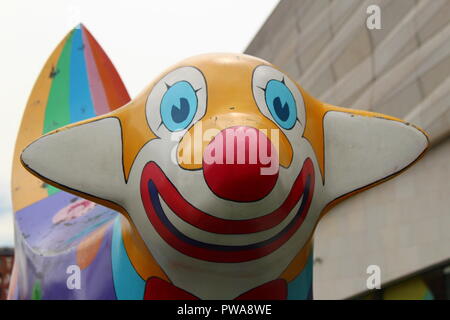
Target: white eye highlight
column 176, row 102
column 278, row 98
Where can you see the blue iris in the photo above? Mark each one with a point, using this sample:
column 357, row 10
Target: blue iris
column 281, row 103
column 178, row 106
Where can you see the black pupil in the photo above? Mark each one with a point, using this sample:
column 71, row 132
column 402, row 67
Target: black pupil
column 282, row 110
column 179, row 114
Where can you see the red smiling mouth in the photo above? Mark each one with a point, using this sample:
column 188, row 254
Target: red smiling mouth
column 154, row 183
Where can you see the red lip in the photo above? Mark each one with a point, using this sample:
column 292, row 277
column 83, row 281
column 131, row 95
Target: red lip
column 154, row 183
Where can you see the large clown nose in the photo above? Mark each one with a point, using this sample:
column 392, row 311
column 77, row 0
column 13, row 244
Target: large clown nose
column 241, row 164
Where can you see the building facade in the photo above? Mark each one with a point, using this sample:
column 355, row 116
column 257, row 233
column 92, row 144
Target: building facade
column 403, row 70
column 6, row 264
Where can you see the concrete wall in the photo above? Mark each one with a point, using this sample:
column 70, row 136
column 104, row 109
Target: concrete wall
column 401, row 70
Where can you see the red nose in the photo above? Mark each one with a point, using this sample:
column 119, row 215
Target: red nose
column 240, row 164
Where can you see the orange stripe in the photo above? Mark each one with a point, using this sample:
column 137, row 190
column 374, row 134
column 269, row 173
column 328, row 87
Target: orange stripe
column 115, row 90
column 141, row 258
column 297, row 264
column 27, row 189
column 88, row 249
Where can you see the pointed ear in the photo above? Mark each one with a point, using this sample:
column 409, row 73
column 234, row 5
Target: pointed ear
column 363, row 149
column 85, row 159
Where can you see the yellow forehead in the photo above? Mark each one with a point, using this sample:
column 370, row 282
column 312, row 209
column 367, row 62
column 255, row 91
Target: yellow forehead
column 229, row 89
column 229, row 81
column 213, row 65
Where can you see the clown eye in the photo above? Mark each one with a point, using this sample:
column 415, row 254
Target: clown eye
column 178, row 106
column 279, row 99
column 281, row 103
column 176, row 101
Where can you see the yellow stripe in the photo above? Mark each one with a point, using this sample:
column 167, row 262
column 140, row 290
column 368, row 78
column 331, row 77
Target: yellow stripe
column 27, row 189
column 141, row 258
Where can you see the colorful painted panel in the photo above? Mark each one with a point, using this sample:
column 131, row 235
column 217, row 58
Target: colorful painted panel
column 77, row 82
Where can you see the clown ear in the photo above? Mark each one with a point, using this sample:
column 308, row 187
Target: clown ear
column 84, row 159
column 364, row 148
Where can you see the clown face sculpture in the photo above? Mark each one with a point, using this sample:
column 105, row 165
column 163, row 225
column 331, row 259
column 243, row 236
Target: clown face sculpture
column 221, row 170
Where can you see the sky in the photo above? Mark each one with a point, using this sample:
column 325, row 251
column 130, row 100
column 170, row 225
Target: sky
column 141, row 37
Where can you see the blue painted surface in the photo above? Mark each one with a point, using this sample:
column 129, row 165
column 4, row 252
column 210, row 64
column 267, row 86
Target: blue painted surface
column 127, row 282
column 81, row 106
column 281, row 103
column 178, row 106
column 301, row 287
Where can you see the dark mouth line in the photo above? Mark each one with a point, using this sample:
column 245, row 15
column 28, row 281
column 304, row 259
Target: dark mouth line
column 150, row 192
column 165, row 220
column 206, row 222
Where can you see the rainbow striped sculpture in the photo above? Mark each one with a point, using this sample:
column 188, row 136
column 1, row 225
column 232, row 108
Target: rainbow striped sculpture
column 78, row 82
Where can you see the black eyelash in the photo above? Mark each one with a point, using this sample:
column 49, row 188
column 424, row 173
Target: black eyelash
column 263, row 89
column 167, row 86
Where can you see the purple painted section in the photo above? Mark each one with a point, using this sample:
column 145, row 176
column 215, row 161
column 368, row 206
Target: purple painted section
column 41, row 234
column 48, row 249
column 98, row 277
column 101, row 105
column 49, row 274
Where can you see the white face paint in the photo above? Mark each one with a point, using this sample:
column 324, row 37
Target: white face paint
column 186, row 271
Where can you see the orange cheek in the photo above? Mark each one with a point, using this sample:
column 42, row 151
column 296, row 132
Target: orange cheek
column 135, row 130
column 194, row 142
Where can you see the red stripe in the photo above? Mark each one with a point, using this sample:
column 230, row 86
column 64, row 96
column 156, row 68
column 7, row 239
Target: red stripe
column 99, row 99
column 209, row 223
column 210, row 254
column 115, row 90
column 158, row 289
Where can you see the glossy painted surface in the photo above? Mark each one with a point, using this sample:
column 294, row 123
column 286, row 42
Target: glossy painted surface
column 202, row 219
column 77, row 82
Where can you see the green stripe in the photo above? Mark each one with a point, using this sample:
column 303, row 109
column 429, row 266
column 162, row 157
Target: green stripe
column 57, row 112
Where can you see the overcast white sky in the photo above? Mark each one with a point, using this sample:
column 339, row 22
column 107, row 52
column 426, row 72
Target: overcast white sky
column 141, row 37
